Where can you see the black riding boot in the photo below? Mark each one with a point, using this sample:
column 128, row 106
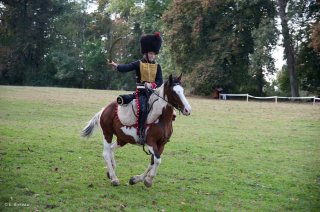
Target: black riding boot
column 142, row 117
column 142, row 121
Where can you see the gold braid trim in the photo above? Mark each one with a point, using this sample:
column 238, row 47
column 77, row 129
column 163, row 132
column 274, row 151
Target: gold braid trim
column 148, row 72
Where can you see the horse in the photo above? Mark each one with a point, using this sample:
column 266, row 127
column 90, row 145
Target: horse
column 158, row 131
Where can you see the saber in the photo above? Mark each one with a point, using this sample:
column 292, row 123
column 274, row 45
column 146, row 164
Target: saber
column 112, row 46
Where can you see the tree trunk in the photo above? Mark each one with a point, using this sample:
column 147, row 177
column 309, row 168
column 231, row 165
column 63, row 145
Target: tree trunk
column 260, row 81
column 288, row 48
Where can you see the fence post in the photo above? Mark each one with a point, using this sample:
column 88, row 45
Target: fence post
column 247, row 97
column 276, row 99
column 314, row 100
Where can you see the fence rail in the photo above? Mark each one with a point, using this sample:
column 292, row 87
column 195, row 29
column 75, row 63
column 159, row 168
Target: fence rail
column 224, row 97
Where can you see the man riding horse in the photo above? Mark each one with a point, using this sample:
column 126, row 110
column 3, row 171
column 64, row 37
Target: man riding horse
column 148, row 76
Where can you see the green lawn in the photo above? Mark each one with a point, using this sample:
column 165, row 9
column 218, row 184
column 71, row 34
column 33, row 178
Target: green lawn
column 226, row 156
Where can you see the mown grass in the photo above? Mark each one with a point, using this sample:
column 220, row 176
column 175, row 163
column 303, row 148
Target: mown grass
column 227, row 156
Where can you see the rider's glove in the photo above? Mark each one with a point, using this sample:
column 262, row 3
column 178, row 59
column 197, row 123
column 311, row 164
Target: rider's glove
column 150, row 85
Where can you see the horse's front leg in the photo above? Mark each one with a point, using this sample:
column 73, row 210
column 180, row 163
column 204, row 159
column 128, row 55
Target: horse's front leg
column 108, row 156
column 155, row 162
column 150, row 172
column 139, row 178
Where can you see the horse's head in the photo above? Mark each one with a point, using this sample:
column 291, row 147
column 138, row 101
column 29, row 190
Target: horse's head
column 175, row 94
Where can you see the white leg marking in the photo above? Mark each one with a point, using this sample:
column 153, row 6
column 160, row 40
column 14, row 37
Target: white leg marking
column 150, row 149
column 114, row 146
column 153, row 171
column 107, row 154
column 141, row 177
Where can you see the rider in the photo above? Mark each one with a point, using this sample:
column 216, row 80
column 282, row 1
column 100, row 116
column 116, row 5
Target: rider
column 148, row 75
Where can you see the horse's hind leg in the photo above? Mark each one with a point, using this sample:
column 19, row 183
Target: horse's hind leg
column 108, row 149
column 114, row 146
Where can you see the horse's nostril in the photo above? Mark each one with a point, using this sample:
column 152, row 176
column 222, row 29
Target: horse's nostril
column 187, row 111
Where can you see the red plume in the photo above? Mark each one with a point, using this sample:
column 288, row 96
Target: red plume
column 157, row 34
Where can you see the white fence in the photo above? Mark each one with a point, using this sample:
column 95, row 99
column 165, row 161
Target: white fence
column 224, row 97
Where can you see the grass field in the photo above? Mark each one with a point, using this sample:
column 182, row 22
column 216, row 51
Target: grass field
column 226, row 156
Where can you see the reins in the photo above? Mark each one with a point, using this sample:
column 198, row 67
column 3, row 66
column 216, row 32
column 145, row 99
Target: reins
column 155, row 93
column 148, row 153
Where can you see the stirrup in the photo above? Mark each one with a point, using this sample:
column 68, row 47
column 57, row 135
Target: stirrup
column 141, row 140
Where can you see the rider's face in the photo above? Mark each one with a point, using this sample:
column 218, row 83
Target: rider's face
column 151, row 56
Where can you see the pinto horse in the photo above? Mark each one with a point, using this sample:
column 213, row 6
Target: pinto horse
column 163, row 100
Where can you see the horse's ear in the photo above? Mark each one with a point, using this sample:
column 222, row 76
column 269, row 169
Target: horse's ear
column 170, row 80
column 179, row 78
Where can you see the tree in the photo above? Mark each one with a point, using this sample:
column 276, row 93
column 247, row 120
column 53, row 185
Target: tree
column 132, row 19
column 262, row 63
column 308, row 48
column 283, row 81
column 288, row 48
column 213, row 40
column 309, row 69
column 315, row 37
column 215, row 43
column 81, row 46
column 25, row 27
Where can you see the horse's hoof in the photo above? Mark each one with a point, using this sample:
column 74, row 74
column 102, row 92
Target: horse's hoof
column 115, row 182
column 132, row 181
column 108, row 175
column 147, row 183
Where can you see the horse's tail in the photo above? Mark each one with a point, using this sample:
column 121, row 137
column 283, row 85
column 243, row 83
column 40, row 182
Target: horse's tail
column 92, row 124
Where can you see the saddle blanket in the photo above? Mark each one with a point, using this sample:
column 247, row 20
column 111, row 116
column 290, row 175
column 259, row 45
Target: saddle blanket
column 127, row 114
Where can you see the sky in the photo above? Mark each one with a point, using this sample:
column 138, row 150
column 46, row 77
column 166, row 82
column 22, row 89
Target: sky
column 278, row 56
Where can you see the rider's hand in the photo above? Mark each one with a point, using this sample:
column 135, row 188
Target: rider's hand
column 113, row 64
column 150, row 85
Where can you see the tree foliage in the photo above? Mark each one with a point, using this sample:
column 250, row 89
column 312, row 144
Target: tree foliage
column 25, row 38
column 215, row 40
column 215, row 43
column 303, row 18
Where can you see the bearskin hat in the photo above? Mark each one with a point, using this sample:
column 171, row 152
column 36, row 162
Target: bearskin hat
column 151, row 43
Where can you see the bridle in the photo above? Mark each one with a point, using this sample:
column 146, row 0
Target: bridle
column 173, row 105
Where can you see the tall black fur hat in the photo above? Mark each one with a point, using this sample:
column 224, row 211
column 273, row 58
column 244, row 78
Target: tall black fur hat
column 151, row 43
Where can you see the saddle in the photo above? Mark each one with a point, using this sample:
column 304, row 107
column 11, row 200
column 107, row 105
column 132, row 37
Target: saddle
column 127, row 114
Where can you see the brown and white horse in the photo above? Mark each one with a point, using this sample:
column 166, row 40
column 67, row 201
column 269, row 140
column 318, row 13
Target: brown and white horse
column 163, row 100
